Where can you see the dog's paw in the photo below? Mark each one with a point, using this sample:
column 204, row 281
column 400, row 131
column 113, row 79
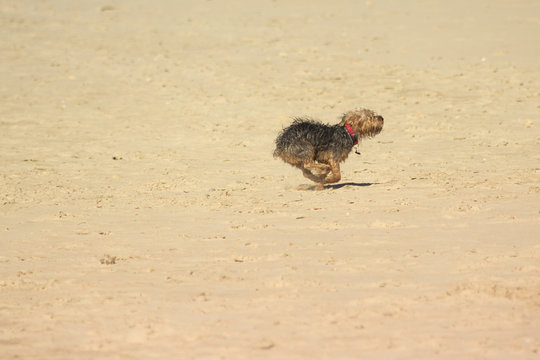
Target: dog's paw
column 321, row 171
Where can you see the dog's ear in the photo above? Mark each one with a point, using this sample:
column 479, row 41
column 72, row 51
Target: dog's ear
column 344, row 118
column 349, row 117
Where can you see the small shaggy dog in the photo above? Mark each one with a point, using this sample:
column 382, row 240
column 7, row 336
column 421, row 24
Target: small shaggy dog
column 317, row 149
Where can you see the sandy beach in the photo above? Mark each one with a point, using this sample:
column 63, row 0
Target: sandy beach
column 142, row 215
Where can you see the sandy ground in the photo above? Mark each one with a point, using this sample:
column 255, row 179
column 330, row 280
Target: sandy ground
column 142, row 215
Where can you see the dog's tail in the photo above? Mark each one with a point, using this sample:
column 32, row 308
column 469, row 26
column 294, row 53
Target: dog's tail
column 283, row 150
column 278, row 151
column 280, row 145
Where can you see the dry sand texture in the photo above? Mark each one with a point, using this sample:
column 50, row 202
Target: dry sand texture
column 143, row 217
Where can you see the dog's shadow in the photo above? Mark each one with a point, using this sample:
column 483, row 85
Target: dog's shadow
column 335, row 186
column 351, row 184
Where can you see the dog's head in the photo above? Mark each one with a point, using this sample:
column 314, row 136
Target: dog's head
column 365, row 123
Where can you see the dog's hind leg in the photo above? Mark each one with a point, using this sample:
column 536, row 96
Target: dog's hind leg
column 335, row 173
column 315, row 172
column 315, row 178
column 318, row 179
column 316, row 168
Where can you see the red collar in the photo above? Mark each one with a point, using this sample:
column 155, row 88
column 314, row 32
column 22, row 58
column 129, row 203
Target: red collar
column 351, row 133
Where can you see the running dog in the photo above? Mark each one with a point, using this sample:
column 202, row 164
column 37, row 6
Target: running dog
column 317, row 148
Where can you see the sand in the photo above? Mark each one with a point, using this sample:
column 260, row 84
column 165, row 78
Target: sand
column 142, row 215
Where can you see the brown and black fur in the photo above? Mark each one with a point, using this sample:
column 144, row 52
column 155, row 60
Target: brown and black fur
column 317, row 149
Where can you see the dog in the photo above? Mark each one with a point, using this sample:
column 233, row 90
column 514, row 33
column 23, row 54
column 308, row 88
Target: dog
column 317, row 149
